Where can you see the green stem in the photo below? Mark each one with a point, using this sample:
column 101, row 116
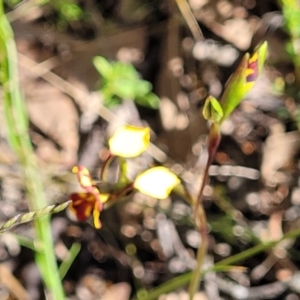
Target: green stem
column 17, row 127
column 200, row 216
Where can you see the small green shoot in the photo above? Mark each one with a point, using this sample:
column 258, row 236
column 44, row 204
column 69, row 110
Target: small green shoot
column 68, row 11
column 122, row 81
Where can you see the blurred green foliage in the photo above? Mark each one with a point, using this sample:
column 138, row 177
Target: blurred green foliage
column 11, row 3
column 291, row 14
column 68, row 10
column 122, row 81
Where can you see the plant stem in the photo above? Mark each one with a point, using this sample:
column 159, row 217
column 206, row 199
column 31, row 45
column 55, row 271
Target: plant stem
column 200, row 216
column 17, row 129
column 105, row 166
column 182, row 191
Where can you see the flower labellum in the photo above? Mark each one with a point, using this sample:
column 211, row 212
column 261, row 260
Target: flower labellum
column 84, row 205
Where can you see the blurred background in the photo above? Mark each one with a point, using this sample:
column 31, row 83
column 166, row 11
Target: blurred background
column 254, row 192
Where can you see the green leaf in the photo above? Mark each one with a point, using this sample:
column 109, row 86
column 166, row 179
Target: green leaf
column 150, row 100
column 142, row 88
column 212, row 110
column 124, row 88
column 71, row 11
column 103, row 67
column 111, row 102
column 106, row 94
column 123, row 81
column 123, row 70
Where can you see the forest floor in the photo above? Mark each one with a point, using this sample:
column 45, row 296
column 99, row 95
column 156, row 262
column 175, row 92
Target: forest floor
column 253, row 196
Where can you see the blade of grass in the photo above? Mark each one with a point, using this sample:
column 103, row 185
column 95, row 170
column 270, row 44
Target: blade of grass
column 17, row 129
column 26, row 242
column 67, row 262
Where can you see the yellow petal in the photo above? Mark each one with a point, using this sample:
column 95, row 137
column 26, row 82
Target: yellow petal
column 96, row 216
column 156, row 182
column 129, row 141
column 104, row 197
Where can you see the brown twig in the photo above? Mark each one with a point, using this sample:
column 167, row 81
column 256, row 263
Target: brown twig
column 190, row 19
